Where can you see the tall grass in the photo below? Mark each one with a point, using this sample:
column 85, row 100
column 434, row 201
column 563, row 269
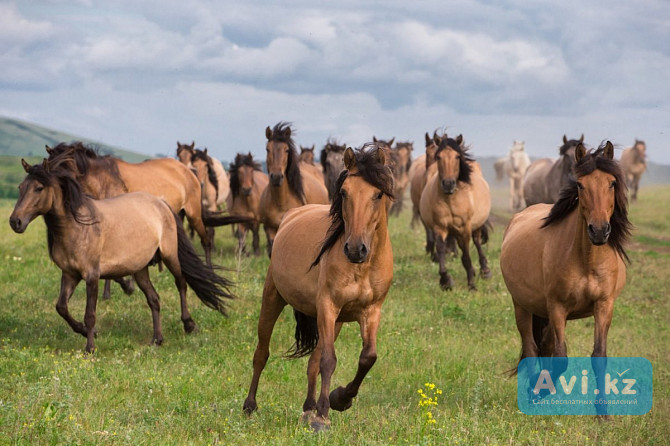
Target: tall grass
column 191, row 389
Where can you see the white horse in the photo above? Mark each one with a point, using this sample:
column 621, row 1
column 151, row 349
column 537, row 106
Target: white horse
column 514, row 165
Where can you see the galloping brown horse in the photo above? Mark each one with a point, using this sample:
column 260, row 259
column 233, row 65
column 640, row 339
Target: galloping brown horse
column 213, row 177
column 567, row 261
column 93, row 239
column 185, row 153
column 402, row 161
column 545, row 177
column 634, row 164
column 290, row 184
column 247, row 183
column 456, row 202
column 331, row 268
column 307, row 154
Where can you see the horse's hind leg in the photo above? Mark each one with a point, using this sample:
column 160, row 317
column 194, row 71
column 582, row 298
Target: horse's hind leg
column 341, row 398
column 89, row 315
column 144, row 282
column 67, row 286
column 484, row 269
column 271, row 308
column 172, row 263
column 464, row 244
column 255, row 229
column 313, row 373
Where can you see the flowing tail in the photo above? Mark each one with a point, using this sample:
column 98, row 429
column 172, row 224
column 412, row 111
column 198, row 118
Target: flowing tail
column 306, row 335
column 210, row 288
column 216, row 219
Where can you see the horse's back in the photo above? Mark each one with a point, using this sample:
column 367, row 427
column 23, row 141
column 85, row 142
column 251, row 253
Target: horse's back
column 296, row 245
column 314, row 188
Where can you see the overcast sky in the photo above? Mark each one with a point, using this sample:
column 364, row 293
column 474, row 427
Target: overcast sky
column 142, row 75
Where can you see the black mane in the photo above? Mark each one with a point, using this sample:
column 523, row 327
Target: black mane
column 293, row 175
column 240, row 160
column 373, row 172
column 83, row 156
column 568, row 199
column 464, row 168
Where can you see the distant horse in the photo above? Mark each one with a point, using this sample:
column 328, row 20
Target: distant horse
column 419, row 173
column 290, row 184
column 215, row 194
column 93, row 239
column 307, row 154
column 166, row 178
column 402, row 160
column 567, row 261
column 331, row 267
column 332, row 162
column 387, row 146
column 456, row 201
column 634, row 164
column 545, row 178
column 247, row 183
column 514, row 165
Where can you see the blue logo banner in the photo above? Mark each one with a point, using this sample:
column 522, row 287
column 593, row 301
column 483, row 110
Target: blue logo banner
column 584, row 386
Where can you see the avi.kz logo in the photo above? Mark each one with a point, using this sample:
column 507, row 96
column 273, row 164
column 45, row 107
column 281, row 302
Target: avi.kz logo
column 584, row 386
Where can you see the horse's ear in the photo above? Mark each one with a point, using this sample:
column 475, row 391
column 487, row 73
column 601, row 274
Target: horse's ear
column 49, row 149
column 25, row 165
column 582, row 138
column 287, row 132
column 349, row 159
column 608, row 152
column 268, row 133
column 45, row 165
column 313, row 147
column 205, row 151
column 192, row 145
column 391, row 141
column 459, row 139
column 428, row 139
column 565, row 139
column 580, row 151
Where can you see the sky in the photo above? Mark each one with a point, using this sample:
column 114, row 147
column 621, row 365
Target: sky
column 142, row 75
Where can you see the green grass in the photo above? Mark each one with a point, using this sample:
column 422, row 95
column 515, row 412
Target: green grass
column 191, row 389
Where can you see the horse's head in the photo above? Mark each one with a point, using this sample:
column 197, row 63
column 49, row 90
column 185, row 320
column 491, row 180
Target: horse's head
column 597, row 189
column 365, row 188
column 402, row 157
column 185, row 152
column 641, row 150
column 202, row 164
column 36, row 196
column 517, row 155
column 307, row 154
column 280, row 152
column 452, row 164
column 242, row 174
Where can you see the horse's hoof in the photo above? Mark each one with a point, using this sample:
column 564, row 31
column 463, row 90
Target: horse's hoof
column 486, row 273
column 190, row 326
column 307, row 416
column 157, row 341
column 446, row 282
column 106, row 296
column 249, row 406
column 472, row 287
column 128, row 287
column 319, row 424
column 339, row 400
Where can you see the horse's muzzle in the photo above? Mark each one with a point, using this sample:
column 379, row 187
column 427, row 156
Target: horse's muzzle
column 246, row 191
column 17, row 225
column 599, row 235
column 356, row 254
column 448, row 186
column 276, row 179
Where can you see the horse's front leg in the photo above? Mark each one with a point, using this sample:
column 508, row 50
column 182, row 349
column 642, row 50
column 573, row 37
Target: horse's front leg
column 464, row 243
column 67, row 285
column 446, row 282
column 326, row 315
column 89, row 315
column 309, row 406
column 341, row 398
column 602, row 314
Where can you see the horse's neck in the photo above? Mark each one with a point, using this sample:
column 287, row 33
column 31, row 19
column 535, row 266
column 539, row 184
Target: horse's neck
column 281, row 195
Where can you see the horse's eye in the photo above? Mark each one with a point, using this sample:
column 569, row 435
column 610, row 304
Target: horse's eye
column 379, row 196
column 613, row 184
column 343, row 193
column 580, row 186
column 39, row 188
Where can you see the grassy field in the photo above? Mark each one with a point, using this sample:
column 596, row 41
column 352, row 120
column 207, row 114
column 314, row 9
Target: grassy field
column 190, row 390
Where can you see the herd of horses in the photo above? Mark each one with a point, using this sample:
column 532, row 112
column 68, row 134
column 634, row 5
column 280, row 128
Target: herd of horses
column 331, row 260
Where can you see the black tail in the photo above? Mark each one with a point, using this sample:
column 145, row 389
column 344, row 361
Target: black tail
column 485, row 230
column 306, row 336
column 210, row 288
column 540, row 324
column 215, row 219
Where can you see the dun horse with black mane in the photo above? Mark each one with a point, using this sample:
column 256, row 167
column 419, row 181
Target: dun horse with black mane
column 568, row 261
column 92, row 239
column 291, row 185
column 331, row 267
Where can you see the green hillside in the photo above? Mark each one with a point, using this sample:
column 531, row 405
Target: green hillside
column 23, row 139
